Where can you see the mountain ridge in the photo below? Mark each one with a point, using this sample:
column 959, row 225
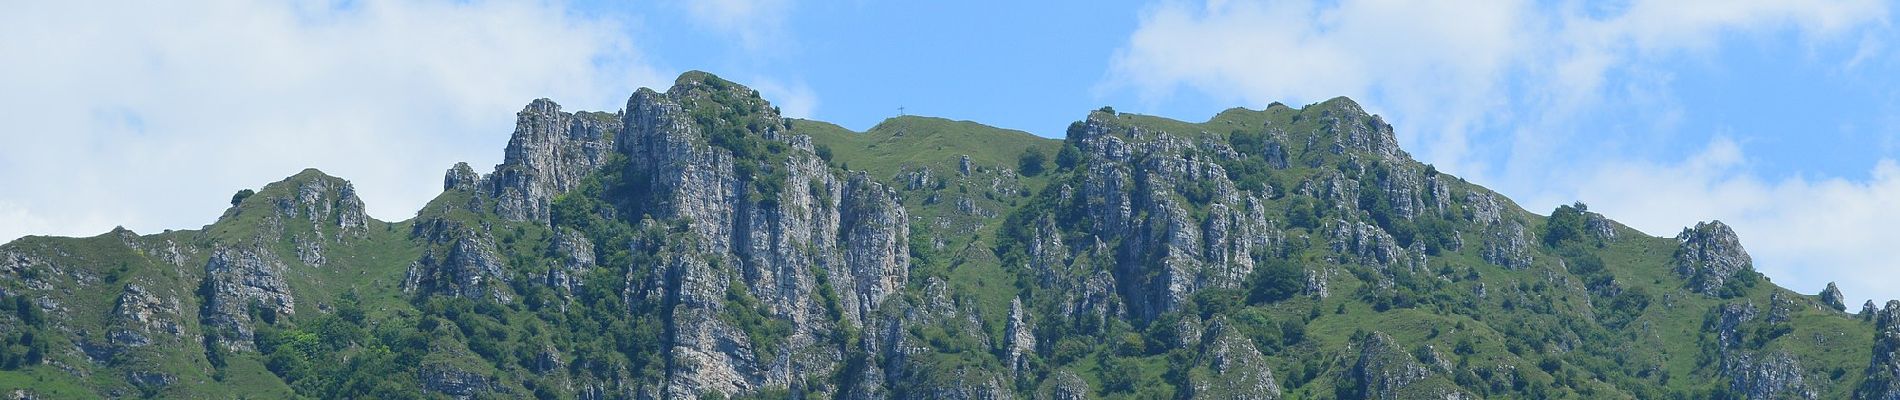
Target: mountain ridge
column 696, row 243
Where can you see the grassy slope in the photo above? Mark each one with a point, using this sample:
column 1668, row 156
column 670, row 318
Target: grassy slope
column 901, row 145
column 1832, row 345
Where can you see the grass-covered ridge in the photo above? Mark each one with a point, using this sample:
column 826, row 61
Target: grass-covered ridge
column 585, row 302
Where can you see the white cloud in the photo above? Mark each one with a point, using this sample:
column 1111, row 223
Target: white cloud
column 795, row 100
column 1492, row 90
column 1803, row 233
column 755, row 22
column 151, row 114
column 1416, row 56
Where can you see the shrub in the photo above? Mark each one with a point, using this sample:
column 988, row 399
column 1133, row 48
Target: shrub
column 240, row 196
column 1566, row 225
column 1274, row 280
column 1068, row 157
column 1030, row 163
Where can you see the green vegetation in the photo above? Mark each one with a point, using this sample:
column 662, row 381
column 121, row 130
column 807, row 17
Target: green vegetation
column 1031, row 162
column 240, row 196
column 1153, row 298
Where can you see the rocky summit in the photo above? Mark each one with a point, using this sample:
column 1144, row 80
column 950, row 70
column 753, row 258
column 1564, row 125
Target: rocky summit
column 696, row 244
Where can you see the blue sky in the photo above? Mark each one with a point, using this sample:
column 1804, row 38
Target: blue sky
column 1781, row 118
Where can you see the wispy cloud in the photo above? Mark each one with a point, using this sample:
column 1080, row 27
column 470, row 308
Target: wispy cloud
column 1802, row 232
column 1493, row 90
column 151, row 114
column 756, row 23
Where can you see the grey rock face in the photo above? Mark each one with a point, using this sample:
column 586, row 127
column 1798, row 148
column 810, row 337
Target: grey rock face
column 1709, row 255
column 1775, row 375
column 1758, row 374
column 1831, row 296
column 1063, row 385
column 1234, row 368
column 1353, row 130
column 908, row 369
column 327, row 205
column 1366, row 244
column 1132, row 196
column 1883, row 372
column 461, row 177
column 577, row 257
column 1728, row 322
column 454, row 382
column 852, row 232
column 550, row 153
column 469, row 268
column 1508, row 245
column 875, row 232
column 1598, row 226
column 140, row 318
column 1020, row 343
column 1383, row 370
column 150, row 379
column 242, row 282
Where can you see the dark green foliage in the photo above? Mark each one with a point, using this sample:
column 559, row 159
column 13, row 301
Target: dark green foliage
column 240, row 196
column 1304, row 212
column 28, row 312
column 1068, row 157
column 1566, row 224
column 765, row 332
column 1275, row 279
column 23, row 348
column 1586, row 320
column 1739, row 284
column 824, row 152
column 1031, row 162
column 1209, row 302
column 736, row 124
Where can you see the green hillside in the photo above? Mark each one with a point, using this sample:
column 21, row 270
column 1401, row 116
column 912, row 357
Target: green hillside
column 698, row 245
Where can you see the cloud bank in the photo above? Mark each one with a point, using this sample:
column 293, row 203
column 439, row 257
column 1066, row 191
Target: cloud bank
column 151, row 114
column 1493, row 89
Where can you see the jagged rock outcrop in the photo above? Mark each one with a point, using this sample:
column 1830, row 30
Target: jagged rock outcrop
column 695, row 245
column 1382, row 370
column 576, row 255
column 1020, row 344
column 454, row 382
column 550, row 152
column 327, row 205
column 1063, row 385
column 1883, row 371
column 1773, row 375
column 916, row 367
column 1832, row 298
column 242, row 283
column 874, row 233
column 1755, row 373
column 468, row 266
column 1709, row 255
column 1353, row 130
column 142, row 318
column 461, row 177
column 1599, row 227
column 1230, row 367
column 741, row 236
column 1508, row 245
column 1133, row 195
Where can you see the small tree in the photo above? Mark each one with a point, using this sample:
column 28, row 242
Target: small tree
column 240, row 196
column 1030, row 163
column 1068, row 157
column 1274, row 280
